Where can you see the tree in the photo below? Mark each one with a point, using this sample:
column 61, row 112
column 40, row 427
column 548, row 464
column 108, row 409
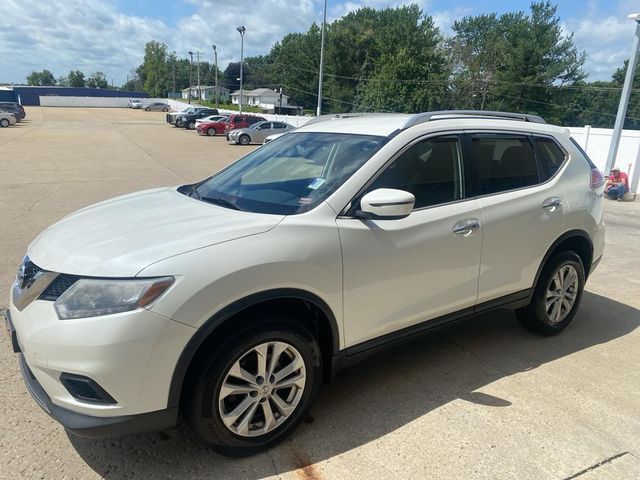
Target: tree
column 97, row 80
column 62, row 81
column 76, row 78
column 43, row 78
column 515, row 62
column 153, row 71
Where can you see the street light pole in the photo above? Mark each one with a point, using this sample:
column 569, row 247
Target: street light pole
column 624, row 98
column 241, row 30
column 198, row 60
column 190, row 70
column 215, row 56
column 324, row 26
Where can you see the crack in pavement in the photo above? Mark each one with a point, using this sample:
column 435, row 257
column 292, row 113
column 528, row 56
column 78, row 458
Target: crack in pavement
column 598, row 465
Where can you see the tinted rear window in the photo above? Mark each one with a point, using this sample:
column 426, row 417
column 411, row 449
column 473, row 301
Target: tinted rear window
column 504, row 163
column 551, row 156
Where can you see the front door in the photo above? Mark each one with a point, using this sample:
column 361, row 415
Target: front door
column 399, row 273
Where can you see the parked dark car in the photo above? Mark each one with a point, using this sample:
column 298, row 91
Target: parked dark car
column 172, row 116
column 188, row 120
column 14, row 107
column 241, row 121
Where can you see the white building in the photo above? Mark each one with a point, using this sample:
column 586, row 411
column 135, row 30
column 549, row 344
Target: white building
column 207, row 92
column 260, row 97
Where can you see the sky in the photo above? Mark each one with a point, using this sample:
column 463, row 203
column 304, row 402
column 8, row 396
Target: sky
column 109, row 35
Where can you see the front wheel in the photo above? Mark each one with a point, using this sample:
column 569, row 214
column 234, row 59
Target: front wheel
column 147, row 109
column 4, row 123
column 244, row 140
column 211, row 132
column 256, row 389
column 556, row 297
column 165, row 109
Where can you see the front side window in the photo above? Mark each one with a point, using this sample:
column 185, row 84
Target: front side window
column 503, row 163
column 288, row 176
column 431, row 170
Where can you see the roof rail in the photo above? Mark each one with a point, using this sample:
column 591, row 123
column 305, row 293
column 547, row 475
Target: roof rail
column 336, row 116
column 419, row 118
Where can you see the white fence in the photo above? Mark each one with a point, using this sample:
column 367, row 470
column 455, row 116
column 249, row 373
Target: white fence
column 98, row 102
column 295, row 120
column 596, row 142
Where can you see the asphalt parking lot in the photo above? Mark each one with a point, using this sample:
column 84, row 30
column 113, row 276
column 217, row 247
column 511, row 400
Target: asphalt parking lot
column 481, row 399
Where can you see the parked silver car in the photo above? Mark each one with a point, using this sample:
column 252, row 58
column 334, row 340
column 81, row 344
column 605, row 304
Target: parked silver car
column 157, row 107
column 7, row 118
column 257, row 132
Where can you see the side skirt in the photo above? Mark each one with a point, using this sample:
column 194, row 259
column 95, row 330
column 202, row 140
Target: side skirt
column 355, row 354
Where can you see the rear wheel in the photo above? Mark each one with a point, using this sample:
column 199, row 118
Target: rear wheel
column 244, row 139
column 557, row 295
column 191, row 125
column 147, row 109
column 4, row 123
column 211, row 132
column 256, row 388
column 165, row 109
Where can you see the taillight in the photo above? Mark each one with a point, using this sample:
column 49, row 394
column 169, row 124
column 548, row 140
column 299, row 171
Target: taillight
column 597, row 179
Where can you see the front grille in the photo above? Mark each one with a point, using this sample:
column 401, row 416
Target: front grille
column 58, row 287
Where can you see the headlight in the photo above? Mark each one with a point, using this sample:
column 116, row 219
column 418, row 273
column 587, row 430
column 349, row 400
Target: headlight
column 94, row 297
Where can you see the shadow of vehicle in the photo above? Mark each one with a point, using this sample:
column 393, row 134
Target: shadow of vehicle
column 375, row 397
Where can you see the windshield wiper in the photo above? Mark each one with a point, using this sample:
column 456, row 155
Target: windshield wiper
column 193, row 192
column 220, row 201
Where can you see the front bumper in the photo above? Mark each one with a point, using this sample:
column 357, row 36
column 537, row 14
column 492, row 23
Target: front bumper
column 97, row 427
column 131, row 356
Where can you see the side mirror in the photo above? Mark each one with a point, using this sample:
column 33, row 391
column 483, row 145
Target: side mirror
column 386, row 204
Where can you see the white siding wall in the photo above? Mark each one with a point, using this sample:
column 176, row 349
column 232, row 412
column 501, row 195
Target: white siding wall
column 98, row 102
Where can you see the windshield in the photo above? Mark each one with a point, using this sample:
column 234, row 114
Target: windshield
column 289, row 175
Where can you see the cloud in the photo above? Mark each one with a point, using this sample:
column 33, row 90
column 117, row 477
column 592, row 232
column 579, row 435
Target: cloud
column 607, row 42
column 92, row 35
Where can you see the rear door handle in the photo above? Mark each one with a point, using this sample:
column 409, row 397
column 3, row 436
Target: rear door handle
column 465, row 228
column 550, row 204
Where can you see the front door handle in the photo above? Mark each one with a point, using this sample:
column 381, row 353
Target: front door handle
column 550, row 204
column 465, row 228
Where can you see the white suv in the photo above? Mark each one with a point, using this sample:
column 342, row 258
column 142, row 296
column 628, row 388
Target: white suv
column 231, row 299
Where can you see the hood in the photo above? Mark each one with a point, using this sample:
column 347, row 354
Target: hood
column 121, row 236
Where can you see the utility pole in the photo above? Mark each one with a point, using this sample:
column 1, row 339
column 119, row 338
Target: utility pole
column 280, row 111
column 198, row 57
column 624, row 98
column 173, row 77
column 324, row 26
column 241, row 30
column 215, row 59
column 190, row 70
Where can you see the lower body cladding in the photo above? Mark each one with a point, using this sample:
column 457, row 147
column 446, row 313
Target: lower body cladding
column 101, row 376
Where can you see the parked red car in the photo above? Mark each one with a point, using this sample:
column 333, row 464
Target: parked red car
column 212, row 128
column 241, row 121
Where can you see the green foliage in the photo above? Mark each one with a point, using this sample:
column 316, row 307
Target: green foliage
column 45, row 77
column 97, row 80
column 514, row 62
column 76, row 79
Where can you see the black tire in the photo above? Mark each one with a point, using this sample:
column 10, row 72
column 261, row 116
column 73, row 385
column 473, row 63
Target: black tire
column 211, row 132
column 534, row 317
column 201, row 408
column 190, row 125
column 244, row 139
column 147, row 109
column 4, row 123
column 165, row 109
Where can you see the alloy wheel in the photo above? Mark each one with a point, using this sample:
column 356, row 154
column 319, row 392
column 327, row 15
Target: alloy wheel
column 561, row 293
column 262, row 389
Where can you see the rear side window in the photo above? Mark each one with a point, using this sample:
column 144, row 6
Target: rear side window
column 551, row 156
column 504, row 163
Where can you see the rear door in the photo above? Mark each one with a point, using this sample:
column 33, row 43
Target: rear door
column 522, row 211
